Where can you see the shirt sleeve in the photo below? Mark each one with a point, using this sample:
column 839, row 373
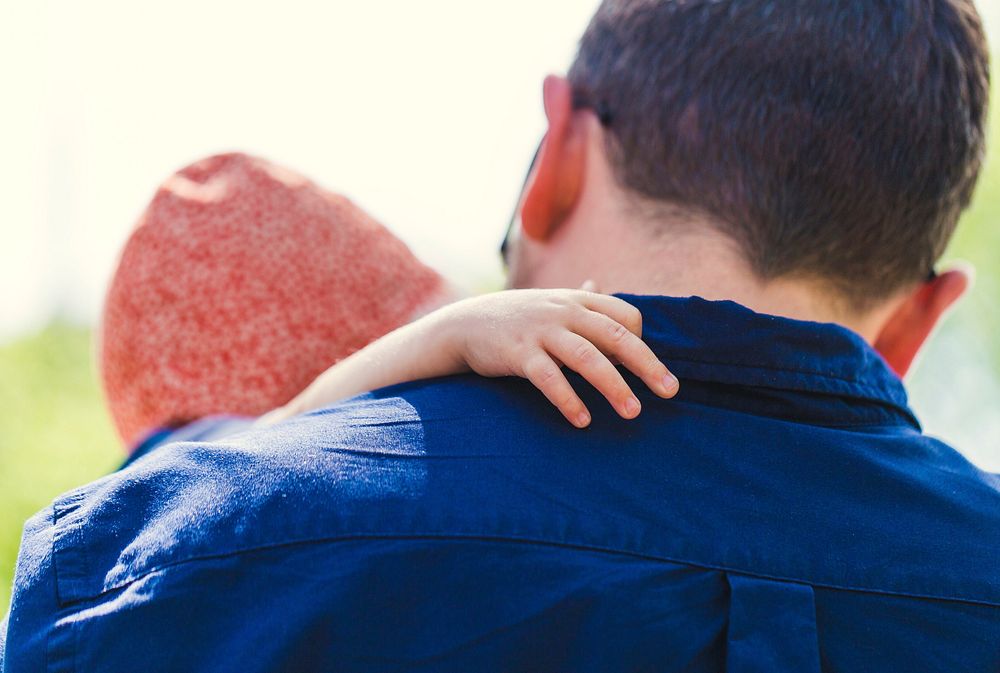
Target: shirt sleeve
column 24, row 634
column 3, row 639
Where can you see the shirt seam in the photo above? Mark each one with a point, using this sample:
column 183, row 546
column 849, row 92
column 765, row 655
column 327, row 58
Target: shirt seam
column 873, row 419
column 878, row 391
column 512, row 539
column 895, row 401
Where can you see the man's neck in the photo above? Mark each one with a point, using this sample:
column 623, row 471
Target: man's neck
column 697, row 261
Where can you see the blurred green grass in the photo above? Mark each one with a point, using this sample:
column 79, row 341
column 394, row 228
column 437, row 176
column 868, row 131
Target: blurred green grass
column 54, row 432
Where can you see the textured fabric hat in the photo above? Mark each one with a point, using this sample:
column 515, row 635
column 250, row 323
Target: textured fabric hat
column 241, row 282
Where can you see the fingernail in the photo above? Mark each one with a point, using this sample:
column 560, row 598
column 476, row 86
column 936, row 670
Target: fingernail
column 670, row 384
column 632, row 407
column 583, row 420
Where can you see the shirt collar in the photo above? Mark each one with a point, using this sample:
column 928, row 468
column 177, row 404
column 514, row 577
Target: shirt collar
column 816, row 372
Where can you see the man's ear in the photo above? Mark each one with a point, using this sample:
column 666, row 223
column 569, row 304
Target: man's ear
column 555, row 184
column 909, row 327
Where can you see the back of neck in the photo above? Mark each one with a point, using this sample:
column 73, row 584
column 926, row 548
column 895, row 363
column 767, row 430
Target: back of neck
column 698, row 261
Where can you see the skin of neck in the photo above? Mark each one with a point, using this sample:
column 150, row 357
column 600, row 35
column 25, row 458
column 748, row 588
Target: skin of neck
column 623, row 245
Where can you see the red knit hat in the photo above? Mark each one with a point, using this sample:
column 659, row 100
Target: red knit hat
column 241, row 283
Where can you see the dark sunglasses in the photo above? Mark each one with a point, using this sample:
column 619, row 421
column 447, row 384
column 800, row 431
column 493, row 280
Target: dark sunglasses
column 515, row 216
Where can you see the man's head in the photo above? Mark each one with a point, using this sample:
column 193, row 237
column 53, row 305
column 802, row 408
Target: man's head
column 817, row 150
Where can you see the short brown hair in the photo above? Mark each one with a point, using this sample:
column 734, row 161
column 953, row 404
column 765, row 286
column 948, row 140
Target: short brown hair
column 833, row 139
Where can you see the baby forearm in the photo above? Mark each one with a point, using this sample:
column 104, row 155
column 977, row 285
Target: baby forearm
column 421, row 350
column 527, row 333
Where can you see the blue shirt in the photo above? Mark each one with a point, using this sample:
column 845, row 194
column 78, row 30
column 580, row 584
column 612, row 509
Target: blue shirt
column 783, row 513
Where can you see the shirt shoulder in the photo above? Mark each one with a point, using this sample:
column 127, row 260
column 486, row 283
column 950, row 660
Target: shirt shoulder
column 372, row 466
column 471, row 458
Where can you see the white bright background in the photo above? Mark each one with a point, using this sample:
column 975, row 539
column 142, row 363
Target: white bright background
column 425, row 113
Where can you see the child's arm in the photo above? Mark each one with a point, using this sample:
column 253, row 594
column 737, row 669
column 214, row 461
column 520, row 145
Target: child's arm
column 527, row 333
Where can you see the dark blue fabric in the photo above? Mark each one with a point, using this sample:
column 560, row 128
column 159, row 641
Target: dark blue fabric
column 784, row 513
column 205, row 429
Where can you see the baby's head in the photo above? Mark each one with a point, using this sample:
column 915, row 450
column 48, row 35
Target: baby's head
column 241, row 283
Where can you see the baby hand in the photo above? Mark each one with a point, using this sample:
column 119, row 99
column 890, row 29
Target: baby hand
column 532, row 333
